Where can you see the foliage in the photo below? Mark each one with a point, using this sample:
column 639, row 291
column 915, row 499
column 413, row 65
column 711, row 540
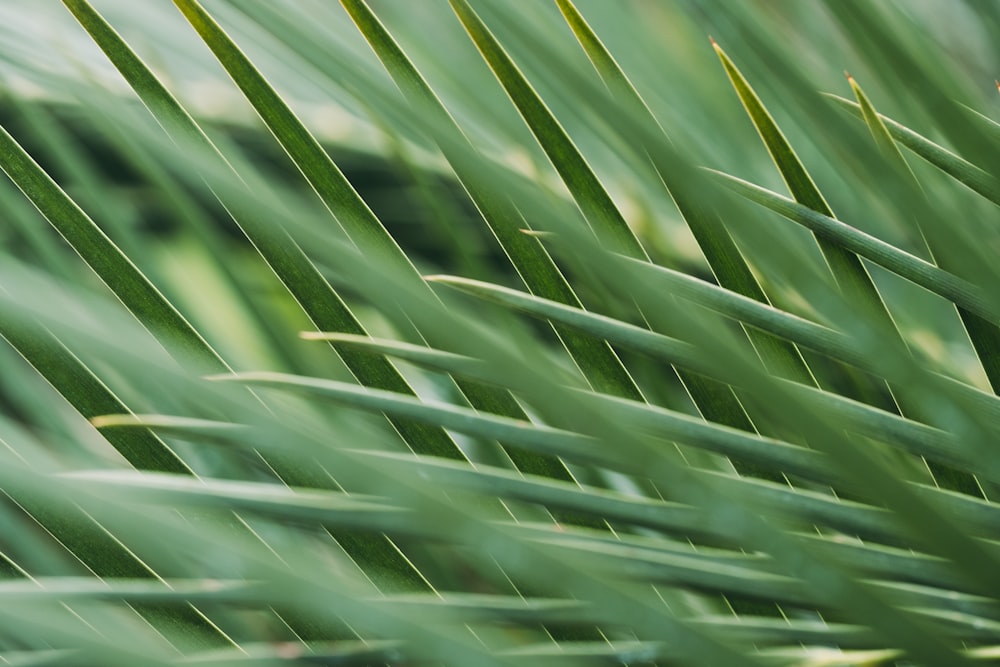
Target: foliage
column 589, row 377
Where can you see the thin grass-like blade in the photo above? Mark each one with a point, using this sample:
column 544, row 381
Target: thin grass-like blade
column 185, row 208
column 911, row 569
column 117, row 271
column 56, row 589
column 846, row 267
column 333, row 188
column 320, row 171
column 597, row 206
column 885, row 426
column 300, row 276
column 80, row 386
column 716, row 402
column 963, row 171
column 327, row 508
column 310, row 289
column 672, row 517
column 984, row 335
column 596, row 360
column 888, row 427
column 342, row 654
column 762, row 316
column 446, row 362
column 725, row 259
column 572, row 446
column 892, row 488
column 914, row 269
column 91, row 397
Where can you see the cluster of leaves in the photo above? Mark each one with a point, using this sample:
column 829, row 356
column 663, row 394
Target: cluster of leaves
column 576, row 453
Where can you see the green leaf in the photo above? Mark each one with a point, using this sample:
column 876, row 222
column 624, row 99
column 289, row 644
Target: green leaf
column 142, row 591
column 595, row 203
column 888, row 427
column 716, row 402
column 121, row 276
column 303, row 280
column 724, row 257
column 686, row 521
column 446, row 362
column 346, row 653
column 324, row 307
column 961, row 170
column 91, row 397
column 597, row 361
column 880, row 133
column 675, row 352
column 354, row 512
column 342, row 200
column 103, row 564
column 102, row 553
column 674, row 518
column 323, row 175
column 984, row 335
column 914, row 269
column 846, row 267
column 84, row 538
column 683, row 521
column 572, row 446
column 896, row 488
column 762, row 316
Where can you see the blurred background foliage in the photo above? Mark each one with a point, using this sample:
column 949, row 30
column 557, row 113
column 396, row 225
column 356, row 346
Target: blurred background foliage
column 624, row 560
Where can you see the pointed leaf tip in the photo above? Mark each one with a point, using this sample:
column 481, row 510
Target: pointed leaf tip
column 223, row 377
column 101, row 421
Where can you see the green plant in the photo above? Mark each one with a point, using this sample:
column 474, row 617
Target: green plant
column 615, row 411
